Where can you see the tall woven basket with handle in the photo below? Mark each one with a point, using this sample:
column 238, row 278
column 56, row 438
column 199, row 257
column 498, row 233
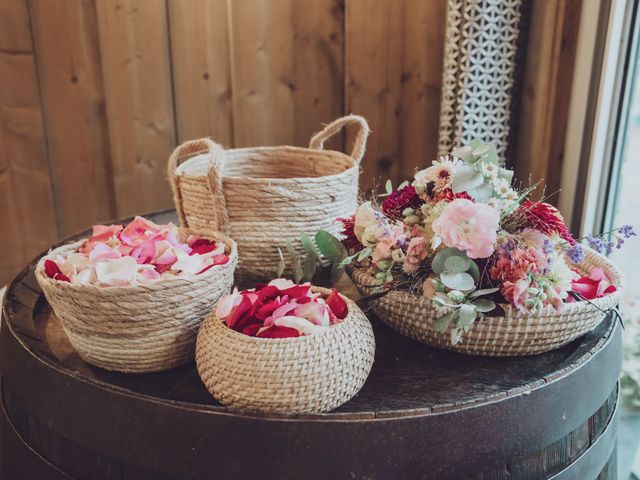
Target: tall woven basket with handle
column 514, row 334
column 265, row 197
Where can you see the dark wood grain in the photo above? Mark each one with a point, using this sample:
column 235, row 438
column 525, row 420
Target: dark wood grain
column 423, row 413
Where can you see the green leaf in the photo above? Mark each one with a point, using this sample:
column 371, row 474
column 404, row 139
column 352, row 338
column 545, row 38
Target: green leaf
column 474, row 271
column 466, row 178
column 298, row 273
column 346, row 261
column 482, row 193
column 329, row 245
column 457, row 281
column 281, row 265
column 466, row 316
column 437, row 265
column 309, row 268
column 388, row 186
column 484, row 291
column 475, row 144
column 336, row 272
column 464, row 153
column 292, row 251
column 457, row 264
column 442, row 323
column 365, row 253
column 483, row 305
column 403, row 184
column 456, row 335
column 506, row 174
column 309, row 246
column 486, row 153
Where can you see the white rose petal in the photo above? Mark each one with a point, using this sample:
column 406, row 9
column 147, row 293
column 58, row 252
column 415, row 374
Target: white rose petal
column 121, row 271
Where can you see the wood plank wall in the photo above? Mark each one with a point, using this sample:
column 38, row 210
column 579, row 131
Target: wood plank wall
column 94, row 95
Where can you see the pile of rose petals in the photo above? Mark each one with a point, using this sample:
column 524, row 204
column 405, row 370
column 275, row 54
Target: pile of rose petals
column 281, row 309
column 592, row 286
column 138, row 253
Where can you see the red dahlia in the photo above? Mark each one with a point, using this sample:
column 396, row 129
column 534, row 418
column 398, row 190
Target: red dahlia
column 546, row 218
column 397, row 201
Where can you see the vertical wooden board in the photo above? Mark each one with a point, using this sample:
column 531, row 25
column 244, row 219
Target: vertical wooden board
column 287, row 69
column 26, row 197
column 262, row 71
column 373, row 82
column 134, row 43
column 424, row 26
column 318, row 68
column 68, row 59
column 201, row 69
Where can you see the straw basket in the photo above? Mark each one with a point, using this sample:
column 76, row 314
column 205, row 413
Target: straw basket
column 515, row 334
column 265, row 197
column 307, row 374
column 140, row 328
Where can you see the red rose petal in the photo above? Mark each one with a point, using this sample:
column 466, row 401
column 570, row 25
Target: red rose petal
column 297, row 291
column 203, row 246
column 252, row 330
column 337, row 305
column 279, row 332
column 51, row 268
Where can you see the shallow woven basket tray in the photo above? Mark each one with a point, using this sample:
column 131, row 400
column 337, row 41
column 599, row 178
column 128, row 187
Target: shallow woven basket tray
column 265, row 197
column 307, row 374
column 515, row 334
column 141, row 328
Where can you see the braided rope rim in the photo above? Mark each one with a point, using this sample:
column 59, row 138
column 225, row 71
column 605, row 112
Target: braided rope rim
column 306, row 374
column 514, row 334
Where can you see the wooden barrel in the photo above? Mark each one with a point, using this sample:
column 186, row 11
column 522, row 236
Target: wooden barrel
column 424, row 413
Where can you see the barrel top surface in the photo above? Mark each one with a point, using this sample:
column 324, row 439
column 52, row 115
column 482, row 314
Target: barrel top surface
column 407, row 378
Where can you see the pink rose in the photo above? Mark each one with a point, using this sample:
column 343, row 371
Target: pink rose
column 469, row 226
column 382, row 251
column 416, row 253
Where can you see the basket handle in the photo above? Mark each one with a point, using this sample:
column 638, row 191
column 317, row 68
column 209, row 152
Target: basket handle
column 360, row 143
column 214, row 175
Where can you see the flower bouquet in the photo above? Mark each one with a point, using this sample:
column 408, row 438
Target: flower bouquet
column 461, row 260
column 131, row 298
column 285, row 348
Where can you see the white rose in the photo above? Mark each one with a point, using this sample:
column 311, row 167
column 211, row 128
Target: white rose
column 365, row 217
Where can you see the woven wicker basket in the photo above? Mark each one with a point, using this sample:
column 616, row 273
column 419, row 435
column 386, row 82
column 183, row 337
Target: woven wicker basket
column 515, row 334
column 141, row 328
column 266, row 196
column 307, row 374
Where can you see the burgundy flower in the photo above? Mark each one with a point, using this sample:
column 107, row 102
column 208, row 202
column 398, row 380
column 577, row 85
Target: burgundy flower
column 448, row 195
column 546, row 218
column 52, row 270
column 350, row 240
column 406, row 197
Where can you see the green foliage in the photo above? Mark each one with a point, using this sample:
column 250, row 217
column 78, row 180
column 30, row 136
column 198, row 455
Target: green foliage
column 322, row 262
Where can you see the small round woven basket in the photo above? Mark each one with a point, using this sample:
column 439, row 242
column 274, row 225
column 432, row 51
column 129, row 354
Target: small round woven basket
column 515, row 334
column 307, row 374
column 265, row 197
column 140, row 328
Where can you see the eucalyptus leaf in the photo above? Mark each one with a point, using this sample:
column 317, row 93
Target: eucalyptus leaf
column 365, row 253
column 388, row 186
column 456, row 335
column 484, row 291
column 309, row 268
column 483, row 305
column 486, row 153
column 442, row 323
column 281, row 264
column 475, row 143
column 437, row 265
column 292, row 252
column 298, row 273
column 464, row 153
column 403, row 184
column 309, row 246
column 466, row 178
column 474, row 271
column 505, row 174
column 457, row 281
column 457, row 264
column 482, row 193
column 346, row 261
column 329, row 245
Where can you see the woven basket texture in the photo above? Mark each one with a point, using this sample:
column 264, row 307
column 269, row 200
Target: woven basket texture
column 515, row 334
column 265, row 197
column 307, row 374
column 139, row 328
